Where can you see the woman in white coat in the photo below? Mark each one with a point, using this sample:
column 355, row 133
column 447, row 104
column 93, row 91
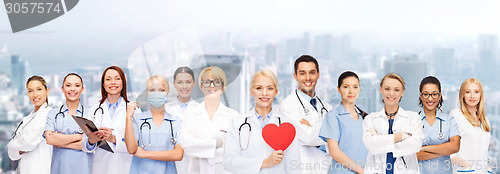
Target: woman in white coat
column 27, row 145
column 474, row 128
column 246, row 151
column 392, row 136
column 109, row 115
column 205, row 127
column 184, row 83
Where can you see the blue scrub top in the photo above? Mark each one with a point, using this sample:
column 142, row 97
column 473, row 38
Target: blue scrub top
column 160, row 141
column 68, row 160
column 339, row 125
column 449, row 129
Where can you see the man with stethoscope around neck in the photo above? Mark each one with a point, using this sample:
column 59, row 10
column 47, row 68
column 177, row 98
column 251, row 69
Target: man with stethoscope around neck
column 306, row 111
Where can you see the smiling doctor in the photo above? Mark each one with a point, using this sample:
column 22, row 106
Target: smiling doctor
column 109, row 114
column 392, row 136
column 306, row 111
column 246, row 151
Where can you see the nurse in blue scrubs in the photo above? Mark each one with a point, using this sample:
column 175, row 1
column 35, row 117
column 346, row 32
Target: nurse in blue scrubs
column 442, row 137
column 64, row 134
column 343, row 128
column 153, row 136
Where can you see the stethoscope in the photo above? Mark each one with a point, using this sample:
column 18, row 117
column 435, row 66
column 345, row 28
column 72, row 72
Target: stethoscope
column 249, row 130
column 15, row 132
column 60, row 112
column 145, row 123
column 440, row 135
column 102, row 111
column 306, row 111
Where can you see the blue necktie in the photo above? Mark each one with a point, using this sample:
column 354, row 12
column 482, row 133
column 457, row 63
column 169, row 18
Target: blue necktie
column 313, row 102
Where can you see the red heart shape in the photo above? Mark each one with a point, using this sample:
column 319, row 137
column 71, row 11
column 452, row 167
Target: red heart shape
column 279, row 138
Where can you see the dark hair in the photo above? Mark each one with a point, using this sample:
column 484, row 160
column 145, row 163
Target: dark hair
column 41, row 80
column 344, row 75
column 123, row 93
column 183, row 69
column 72, row 74
column 305, row 58
column 430, row 80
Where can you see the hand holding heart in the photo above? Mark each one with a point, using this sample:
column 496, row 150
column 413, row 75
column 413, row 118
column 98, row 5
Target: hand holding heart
column 279, row 138
column 273, row 159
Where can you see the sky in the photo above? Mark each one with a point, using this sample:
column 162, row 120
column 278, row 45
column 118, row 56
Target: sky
column 108, row 31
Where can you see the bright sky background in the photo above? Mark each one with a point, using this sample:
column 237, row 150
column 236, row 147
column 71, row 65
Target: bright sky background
column 103, row 31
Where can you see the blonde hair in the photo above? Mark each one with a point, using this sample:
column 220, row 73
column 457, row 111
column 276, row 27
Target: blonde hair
column 393, row 76
column 215, row 72
column 265, row 73
column 480, row 106
column 159, row 78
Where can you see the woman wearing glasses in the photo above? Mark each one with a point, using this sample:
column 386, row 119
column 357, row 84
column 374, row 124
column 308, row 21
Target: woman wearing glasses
column 27, row 145
column 392, row 136
column 109, row 116
column 64, row 134
column 441, row 131
column 205, row 127
column 474, row 130
column 184, row 83
column 246, row 151
column 153, row 136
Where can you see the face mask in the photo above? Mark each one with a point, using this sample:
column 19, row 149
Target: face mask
column 157, row 99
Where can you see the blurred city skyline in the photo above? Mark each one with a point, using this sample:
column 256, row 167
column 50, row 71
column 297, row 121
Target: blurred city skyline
column 452, row 40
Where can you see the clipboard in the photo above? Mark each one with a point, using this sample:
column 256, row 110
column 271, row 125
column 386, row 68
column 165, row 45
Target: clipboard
column 82, row 122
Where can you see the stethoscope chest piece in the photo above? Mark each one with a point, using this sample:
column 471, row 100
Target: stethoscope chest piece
column 172, row 140
column 306, row 111
column 440, row 135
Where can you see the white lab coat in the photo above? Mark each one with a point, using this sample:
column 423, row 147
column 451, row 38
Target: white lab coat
column 249, row 159
column 174, row 108
column 38, row 153
column 474, row 144
column 382, row 142
column 199, row 135
column 312, row 159
column 106, row 162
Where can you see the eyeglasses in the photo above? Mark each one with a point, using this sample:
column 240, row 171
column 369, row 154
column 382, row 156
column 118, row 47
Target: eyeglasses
column 434, row 95
column 207, row 83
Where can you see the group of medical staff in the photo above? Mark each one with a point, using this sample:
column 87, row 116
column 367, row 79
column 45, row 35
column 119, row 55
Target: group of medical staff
column 184, row 136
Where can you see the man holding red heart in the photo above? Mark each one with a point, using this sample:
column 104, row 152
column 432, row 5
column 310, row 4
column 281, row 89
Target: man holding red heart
column 306, row 111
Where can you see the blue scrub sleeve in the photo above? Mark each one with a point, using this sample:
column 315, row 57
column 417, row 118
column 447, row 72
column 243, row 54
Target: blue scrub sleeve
column 331, row 127
column 50, row 124
column 90, row 147
column 136, row 124
column 453, row 127
column 177, row 130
